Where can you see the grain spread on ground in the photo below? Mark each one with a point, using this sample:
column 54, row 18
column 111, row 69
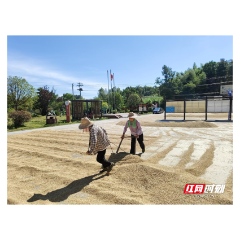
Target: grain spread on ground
column 191, row 124
column 51, row 167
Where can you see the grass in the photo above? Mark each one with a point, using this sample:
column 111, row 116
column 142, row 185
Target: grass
column 146, row 113
column 40, row 122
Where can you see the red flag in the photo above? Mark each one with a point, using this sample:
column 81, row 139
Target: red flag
column 111, row 77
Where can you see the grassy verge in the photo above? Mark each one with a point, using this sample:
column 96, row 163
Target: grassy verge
column 40, row 122
column 145, row 113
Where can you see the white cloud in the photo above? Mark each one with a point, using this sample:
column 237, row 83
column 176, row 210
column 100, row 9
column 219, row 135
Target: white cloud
column 38, row 75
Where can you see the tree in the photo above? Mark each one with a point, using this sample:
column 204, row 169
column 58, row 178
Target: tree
column 104, row 105
column 102, row 95
column 168, row 74
column 119, row 102
column 19, row 92
column 67, row 96
column 44, row 98
column 230, row 67
column 194, row 66
column 210, row 69
column 222, row 68
column 169, row 85
column 133, row 101
column 9, row 102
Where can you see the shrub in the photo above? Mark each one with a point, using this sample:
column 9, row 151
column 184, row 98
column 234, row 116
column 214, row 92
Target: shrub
column 114, row 111
column 19, row 117
column 57, row 112
column 9, row 110
column 34, row 114
column 9, row 122
column 149, row 109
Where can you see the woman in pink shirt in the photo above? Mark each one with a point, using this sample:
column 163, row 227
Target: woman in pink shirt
column 136, row 132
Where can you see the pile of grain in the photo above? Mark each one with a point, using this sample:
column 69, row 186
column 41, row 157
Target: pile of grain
column 187, row 124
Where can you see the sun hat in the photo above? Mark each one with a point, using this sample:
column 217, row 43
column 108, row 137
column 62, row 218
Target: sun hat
column 131, row 115
column 85, row 122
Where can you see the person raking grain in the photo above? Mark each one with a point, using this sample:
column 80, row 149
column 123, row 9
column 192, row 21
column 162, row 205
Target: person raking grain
column 136, row 132
column 98, row 142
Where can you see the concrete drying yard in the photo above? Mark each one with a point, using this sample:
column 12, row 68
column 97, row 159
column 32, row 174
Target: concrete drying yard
column 49, row 166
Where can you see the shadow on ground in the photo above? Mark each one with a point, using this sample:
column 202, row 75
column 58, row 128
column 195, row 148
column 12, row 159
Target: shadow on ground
column 63, row 193
column 76, row 186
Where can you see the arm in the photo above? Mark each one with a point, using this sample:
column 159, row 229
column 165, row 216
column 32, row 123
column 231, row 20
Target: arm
column 124, row 130
column 93, row 140
column 104, row 130
column 139, row 128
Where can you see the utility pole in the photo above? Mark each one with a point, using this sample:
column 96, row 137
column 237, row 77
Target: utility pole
column 80, row 89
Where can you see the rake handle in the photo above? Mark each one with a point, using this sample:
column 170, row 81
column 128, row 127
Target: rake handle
column 119, row 145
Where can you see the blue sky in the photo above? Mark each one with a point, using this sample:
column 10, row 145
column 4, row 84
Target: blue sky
column 60, row 61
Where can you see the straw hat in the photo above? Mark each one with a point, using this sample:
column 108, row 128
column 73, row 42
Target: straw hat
column 131, row 115
column 85, row 122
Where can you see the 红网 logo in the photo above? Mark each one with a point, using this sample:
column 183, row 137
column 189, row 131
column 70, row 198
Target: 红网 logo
column 203, row 188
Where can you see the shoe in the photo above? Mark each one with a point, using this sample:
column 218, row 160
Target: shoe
column 143, row 150
column 103, row 169
column 109, row 168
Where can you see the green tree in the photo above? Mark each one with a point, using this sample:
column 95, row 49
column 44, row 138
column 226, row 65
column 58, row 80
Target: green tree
column 67, row 96
column 133, row 101
column 44, row 98
column 19, row 92
column 105, row 104
column 102, row 94
column 168, row 86
column 230, row 67
column 119, row 102
column 210, row 69
column 222, row 68
column 168, row 74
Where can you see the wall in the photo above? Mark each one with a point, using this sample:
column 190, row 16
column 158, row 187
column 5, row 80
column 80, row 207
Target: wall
column 199, row 106
column 218, row 105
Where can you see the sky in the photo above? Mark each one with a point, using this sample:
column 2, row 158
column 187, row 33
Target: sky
column 60, row 61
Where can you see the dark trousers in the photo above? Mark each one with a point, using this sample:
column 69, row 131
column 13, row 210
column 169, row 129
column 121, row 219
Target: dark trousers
column 133, row 143
column 101, row 158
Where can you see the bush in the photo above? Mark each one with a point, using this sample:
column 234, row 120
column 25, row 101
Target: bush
column 57, row 112
column 34, row 114
column 149, row 109
column 19, row 117
column 9, row 110
column 9, row 122
column 114, row 111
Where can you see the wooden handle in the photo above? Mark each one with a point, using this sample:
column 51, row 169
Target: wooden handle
column 119, row 145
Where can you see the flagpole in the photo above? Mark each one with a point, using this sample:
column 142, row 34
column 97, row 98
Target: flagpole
column 108, row 91
column 114, row 91
column 111, row 91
